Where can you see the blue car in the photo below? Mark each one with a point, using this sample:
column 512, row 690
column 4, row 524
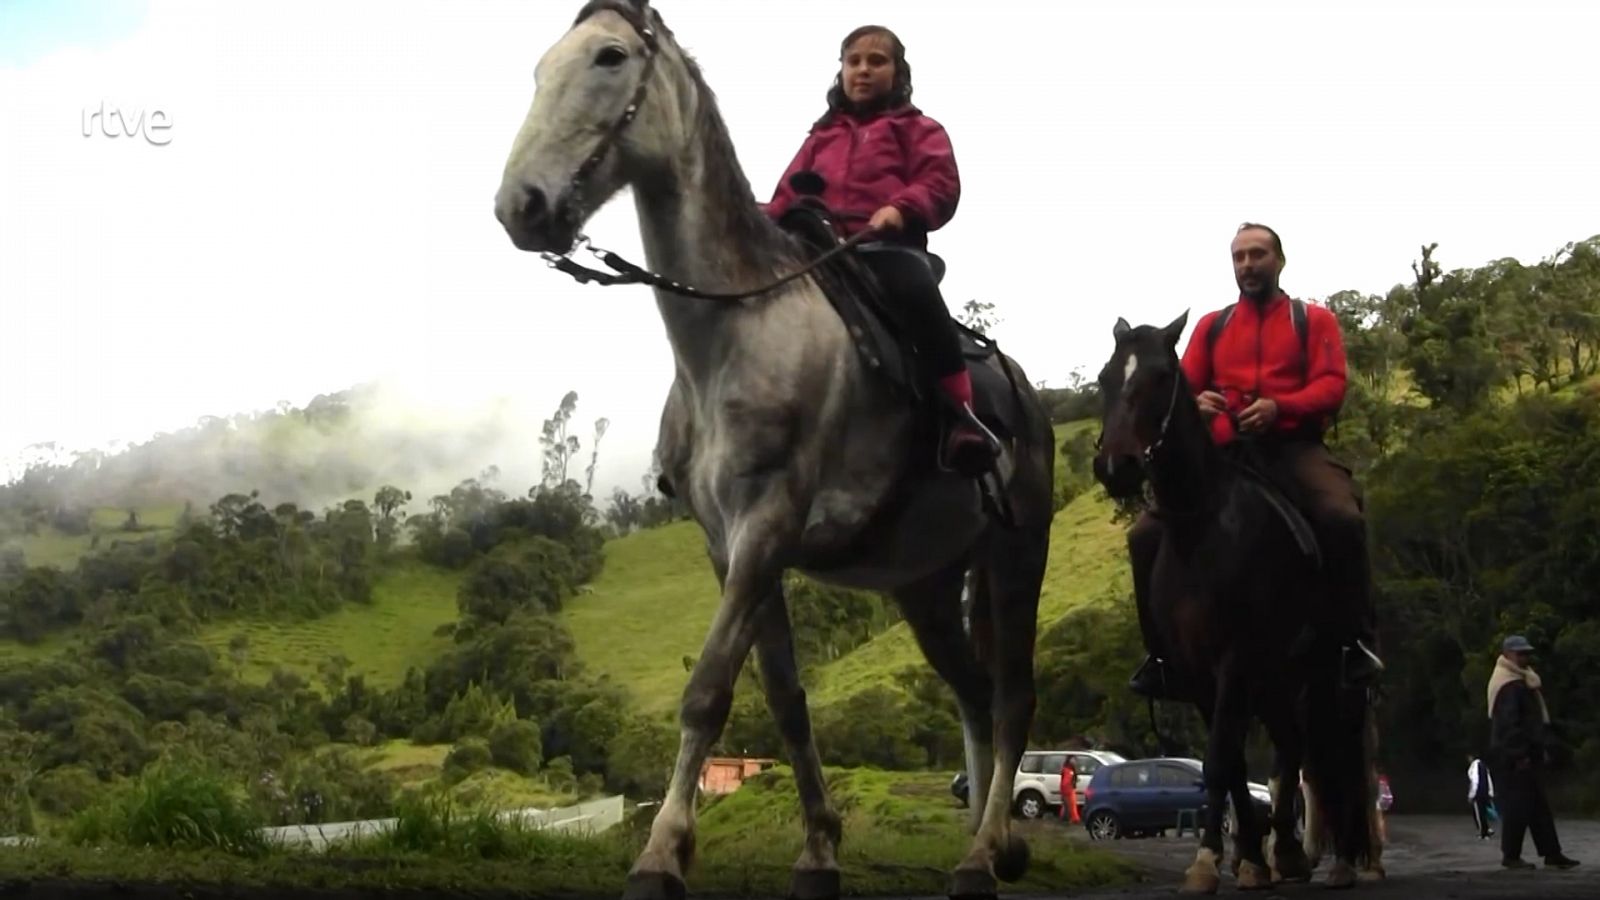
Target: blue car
column 1145, row 796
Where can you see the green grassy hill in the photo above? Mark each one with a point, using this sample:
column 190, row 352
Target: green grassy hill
column 50, row 547
column 381, row 641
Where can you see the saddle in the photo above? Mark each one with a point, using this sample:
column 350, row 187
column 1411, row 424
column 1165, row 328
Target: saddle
column 876, row 326
column 1257, row 476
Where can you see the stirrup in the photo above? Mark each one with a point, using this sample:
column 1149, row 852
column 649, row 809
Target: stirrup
column 1358, row 665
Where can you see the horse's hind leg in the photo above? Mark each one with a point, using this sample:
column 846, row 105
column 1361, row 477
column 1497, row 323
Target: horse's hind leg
column 1379, row 834
column 1014, row 563
column 816, row 872
column 750, row 572
column 932, row 608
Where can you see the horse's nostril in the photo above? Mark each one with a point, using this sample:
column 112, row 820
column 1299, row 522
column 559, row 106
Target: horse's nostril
column 535, row 208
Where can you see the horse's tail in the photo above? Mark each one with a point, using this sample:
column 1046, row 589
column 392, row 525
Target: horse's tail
column 1337, row 756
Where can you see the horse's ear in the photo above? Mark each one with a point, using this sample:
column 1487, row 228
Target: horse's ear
column 1175, row 330
column 1121, row 330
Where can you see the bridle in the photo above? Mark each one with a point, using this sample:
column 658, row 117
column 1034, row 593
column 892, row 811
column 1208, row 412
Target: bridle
column 627, row 272
column 1166, row 423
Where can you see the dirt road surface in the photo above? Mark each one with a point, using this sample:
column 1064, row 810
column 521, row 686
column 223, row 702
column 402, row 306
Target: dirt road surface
column 1427, row 858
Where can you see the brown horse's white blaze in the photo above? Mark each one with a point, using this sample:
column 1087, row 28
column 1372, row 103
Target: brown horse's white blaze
column 780, row 441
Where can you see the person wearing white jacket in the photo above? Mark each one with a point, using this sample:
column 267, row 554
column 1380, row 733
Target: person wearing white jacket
column 1480, row 794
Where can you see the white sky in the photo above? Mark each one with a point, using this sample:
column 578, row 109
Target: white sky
column 323, row 214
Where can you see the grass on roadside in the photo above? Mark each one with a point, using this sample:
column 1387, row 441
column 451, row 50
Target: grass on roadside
column 902, row 834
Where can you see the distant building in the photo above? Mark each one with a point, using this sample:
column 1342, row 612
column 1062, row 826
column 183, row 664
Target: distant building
column 724, row 774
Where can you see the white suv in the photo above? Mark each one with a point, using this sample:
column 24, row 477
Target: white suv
column 1038, row 784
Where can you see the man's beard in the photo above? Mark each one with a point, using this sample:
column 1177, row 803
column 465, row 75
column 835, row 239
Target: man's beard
column 1267, row 289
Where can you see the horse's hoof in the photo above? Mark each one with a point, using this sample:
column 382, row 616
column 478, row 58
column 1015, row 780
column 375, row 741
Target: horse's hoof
column 1290, row 867
column 1373, row 872
column 1011, row 863
column 1341, row 876
column 1200, row 883
column 814, row 884
column 1253, row 877
column 973, row 884
column 653, row 886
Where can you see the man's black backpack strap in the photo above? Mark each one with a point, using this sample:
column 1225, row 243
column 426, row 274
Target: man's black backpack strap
column 1302, row 330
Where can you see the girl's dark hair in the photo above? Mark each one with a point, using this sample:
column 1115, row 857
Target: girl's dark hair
column 899, row 93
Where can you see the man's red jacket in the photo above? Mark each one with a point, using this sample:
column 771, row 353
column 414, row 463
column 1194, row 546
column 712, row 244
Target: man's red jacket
column 1258, row 355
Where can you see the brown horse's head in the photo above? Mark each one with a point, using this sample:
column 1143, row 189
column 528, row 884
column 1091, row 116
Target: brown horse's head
column 1139, row 389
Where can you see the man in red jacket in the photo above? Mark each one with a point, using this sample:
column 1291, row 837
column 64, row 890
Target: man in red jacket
column 1256, row 383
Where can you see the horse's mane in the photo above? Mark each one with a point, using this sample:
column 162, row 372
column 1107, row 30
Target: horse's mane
column 725, row 177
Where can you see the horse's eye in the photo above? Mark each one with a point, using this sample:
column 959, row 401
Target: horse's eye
column 611, row 57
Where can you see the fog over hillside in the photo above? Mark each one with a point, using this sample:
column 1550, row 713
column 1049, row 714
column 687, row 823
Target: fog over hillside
column 336, row 446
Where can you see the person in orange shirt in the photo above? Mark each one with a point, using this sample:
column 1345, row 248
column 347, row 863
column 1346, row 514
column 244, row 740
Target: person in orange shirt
column 1069, row 791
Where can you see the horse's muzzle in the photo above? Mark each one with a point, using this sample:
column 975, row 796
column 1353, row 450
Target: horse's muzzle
column 525, row 212
column 1121, row 475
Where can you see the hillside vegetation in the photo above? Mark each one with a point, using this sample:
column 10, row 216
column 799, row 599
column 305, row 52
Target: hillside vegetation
column 488, row 635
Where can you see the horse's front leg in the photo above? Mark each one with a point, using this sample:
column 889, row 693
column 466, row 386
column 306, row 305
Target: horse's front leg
column 1224, row 766
column 816, row 872
column 751, row 561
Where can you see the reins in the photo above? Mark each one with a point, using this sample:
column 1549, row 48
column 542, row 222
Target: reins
column 629, row 273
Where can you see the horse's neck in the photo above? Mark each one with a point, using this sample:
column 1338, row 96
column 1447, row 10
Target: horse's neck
column 690, row 236
column 1187, row 471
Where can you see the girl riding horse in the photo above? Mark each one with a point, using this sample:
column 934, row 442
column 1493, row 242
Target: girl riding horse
column 888, row 167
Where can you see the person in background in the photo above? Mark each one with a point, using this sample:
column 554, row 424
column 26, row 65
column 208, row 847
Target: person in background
column 1385, row 803
column 1480, row 794
column 1518, row 744
column 1069, row 792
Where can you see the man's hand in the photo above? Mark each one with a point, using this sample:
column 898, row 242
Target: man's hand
column 1259, row 415
column 887, row 220
column 1211, row 404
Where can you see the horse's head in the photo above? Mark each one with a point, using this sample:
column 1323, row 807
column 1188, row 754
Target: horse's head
column 604, row 109
column 1139, row 389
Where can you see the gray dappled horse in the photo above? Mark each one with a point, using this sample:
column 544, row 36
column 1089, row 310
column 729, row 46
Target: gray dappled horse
column 790, row 452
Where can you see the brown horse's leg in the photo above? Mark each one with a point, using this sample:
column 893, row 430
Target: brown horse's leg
column 816, row 872
column 932, row 608
column 1014, row 562
column 1224, row 766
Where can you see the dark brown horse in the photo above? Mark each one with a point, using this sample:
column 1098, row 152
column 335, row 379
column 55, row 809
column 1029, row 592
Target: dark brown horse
column 1232, row 592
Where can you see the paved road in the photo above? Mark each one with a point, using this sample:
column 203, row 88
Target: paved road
column 1427, row 858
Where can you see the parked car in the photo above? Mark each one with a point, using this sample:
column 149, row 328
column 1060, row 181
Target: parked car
column 1037, row 788
column 1145, row 796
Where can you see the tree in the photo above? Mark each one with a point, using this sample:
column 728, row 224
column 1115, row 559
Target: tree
column 600, row 427
column 979, row 316
column 559, row 446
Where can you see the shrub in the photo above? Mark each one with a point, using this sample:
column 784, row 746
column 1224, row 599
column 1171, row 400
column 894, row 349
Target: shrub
column 173, row 807
column 471, row 755
column 517, row 746
column 66, row 790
